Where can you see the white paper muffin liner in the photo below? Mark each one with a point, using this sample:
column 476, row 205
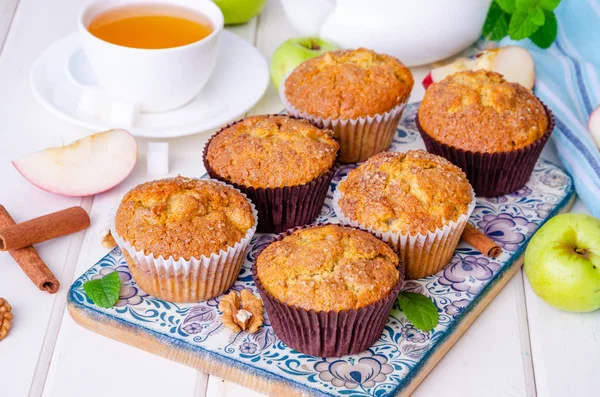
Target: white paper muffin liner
column 421, row 254
column 359, row 138
column 181, row 280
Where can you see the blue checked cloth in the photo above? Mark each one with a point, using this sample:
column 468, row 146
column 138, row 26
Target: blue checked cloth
column 568, row 81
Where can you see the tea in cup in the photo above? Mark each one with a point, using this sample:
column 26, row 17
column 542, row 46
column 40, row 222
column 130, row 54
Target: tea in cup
column 155, row 54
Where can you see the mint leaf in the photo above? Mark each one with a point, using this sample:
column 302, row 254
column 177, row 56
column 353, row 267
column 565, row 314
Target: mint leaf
column 496, row 23
column 524, row 5
column 523, row 24
column 104, row 291
column 549, row 5
column 419, row 309
column 507, row 5
column 537, row 16
column 545, row 35
column 522, row 19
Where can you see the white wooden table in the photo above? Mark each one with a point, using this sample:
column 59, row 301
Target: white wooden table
column 518, row 347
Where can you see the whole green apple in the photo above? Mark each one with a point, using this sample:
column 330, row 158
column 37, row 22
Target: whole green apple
column 562, row 262
column 239, row 11
column 293, row 52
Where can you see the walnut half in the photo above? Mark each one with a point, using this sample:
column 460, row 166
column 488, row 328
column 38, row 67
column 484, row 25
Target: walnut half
column 5, row 317
column 243, row 312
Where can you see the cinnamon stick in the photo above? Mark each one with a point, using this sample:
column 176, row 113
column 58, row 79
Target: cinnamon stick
column 29, row 260
column 482, row 243
column 44, row 228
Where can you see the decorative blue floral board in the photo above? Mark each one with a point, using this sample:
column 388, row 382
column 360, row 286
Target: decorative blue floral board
column 400, row 355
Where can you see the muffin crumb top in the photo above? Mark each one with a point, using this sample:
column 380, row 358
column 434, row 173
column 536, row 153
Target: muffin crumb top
column 412, row 192
column 183, row 217
column 328, row 268
column 480, row 111
column 272, row 151
column 348, row 84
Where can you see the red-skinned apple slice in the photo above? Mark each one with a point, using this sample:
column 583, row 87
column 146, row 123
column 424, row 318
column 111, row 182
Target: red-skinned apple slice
column 513, row 62
column 594, row 126
column 88, row 166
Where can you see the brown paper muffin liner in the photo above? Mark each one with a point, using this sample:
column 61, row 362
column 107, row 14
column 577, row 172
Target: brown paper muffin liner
column 493, row 174
column 421, row 254
column 181, row 280
column 359, row 138
column 327, row 334
column 280, row 209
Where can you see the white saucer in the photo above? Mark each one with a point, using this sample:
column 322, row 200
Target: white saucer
column 239, row 80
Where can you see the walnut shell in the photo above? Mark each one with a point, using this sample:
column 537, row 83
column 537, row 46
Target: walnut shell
column 5, row 318
column 254, row 305
column 229, row 305
column 235, row 309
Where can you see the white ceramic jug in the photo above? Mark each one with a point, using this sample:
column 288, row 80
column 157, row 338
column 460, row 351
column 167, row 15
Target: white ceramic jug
column 415, row 31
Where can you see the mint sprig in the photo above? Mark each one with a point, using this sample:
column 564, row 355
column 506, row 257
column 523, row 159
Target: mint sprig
column 524, row 23
column 521, row 19
column 104, row 292
column 508, row 6
column 545, row 35
column 549, row 5
column 419, row 309
column 496, row 23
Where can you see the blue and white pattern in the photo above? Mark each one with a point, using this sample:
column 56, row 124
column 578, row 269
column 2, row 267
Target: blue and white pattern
column 568, row 81
column 387, row 366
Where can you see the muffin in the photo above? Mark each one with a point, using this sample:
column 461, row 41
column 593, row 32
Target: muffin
column 284, row 165
column 493, row 129
column 360, row 94
column 417, row 202
column 184, row 239
column 328, row 289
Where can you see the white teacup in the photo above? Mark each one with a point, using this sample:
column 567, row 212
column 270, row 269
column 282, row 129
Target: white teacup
column 155, row 79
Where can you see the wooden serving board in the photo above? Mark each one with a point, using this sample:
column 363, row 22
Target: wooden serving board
column 192, row 334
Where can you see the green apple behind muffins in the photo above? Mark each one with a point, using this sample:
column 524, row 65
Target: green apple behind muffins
column 293, row 52
column 239, row 11
column 562, row 262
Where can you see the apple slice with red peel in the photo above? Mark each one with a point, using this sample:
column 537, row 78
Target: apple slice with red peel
column 88, row 166
column 427, row 81
column 513, row 62
column 594, row 126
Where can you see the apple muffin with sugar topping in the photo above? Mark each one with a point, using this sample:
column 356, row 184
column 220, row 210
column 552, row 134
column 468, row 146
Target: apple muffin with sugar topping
column 413, row 192
column 272, row 151
column 327, row 268
column 348, row 84
column 183, row 217
column 315, row 279
column 284, row 165
column 481, row 112
column 493, row 129
column 416, row 201
column 173, row 233
column 360, row 94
